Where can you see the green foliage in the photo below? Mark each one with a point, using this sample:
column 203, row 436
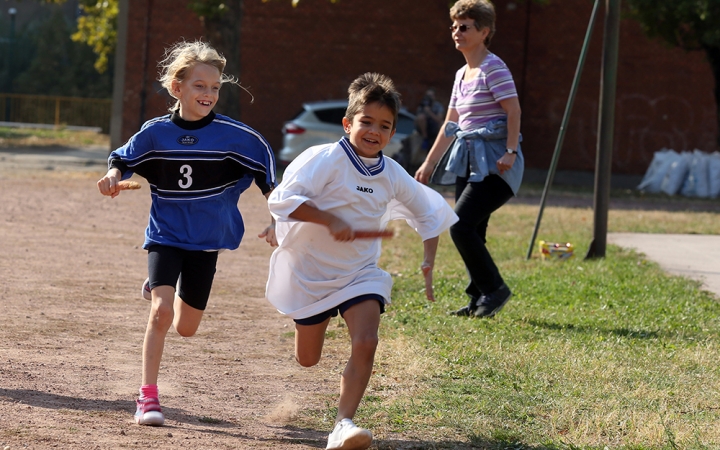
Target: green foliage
column 97, row 28
column 46, row 61
column 690, row 24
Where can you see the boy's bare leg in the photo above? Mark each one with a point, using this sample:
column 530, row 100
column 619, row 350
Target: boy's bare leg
column 309, row 340
column 363, row 321
column 187, row 319
column 161, row 317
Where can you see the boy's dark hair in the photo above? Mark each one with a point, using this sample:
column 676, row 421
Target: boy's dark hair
column 372, row 88
column 482, row 12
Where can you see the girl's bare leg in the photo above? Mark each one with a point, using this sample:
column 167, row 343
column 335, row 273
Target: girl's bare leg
column 159, row 322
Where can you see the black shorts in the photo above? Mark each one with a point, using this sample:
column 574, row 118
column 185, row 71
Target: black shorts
column 194, row 269
column 342, row 307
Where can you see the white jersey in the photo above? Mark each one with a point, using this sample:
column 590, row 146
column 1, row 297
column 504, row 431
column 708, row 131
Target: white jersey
column 310, row 272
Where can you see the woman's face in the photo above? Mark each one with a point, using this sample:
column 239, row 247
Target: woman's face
column 469, row 39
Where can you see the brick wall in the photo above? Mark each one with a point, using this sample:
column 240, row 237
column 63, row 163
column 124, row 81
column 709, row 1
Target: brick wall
column 312, row 52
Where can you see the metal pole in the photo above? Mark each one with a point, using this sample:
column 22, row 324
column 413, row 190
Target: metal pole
column 563, row 125
column 10, row 60
column 606, row 124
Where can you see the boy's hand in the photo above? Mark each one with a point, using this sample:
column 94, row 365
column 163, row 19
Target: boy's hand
column 340, row 230
column 108, row 185
column 427, row 273
column 269, row 235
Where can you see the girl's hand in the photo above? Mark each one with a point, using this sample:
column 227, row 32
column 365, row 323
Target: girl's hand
column 427, row 273
column 269, row 235
column 506, row 162
column 108, row 185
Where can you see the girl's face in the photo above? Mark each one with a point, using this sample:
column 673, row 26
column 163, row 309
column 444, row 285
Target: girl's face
column 198, row 92
column 370, row 130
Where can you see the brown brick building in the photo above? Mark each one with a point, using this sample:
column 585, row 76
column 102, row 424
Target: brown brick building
column 313, row 51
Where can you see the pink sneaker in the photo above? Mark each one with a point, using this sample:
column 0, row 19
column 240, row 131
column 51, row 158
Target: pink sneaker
column 149, row 412
column 146, row 294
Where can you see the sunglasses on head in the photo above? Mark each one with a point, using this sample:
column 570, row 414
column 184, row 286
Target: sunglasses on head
column 461, row 28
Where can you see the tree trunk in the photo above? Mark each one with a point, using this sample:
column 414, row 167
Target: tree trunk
column 223, row 33
column 713, row 55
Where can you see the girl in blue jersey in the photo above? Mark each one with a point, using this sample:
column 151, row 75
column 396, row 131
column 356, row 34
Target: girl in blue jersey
column 197, row 164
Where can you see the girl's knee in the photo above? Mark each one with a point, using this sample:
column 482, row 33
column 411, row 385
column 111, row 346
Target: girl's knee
column 307, row 360
column 161, row 316
column 185, row 330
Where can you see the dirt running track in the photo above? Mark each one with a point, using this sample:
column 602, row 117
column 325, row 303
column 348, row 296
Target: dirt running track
column 71, row 267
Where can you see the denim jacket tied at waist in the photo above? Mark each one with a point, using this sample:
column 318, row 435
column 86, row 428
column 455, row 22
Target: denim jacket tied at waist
column 478, row 151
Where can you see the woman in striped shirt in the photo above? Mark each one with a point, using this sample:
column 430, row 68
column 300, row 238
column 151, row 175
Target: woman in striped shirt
column 485, row 161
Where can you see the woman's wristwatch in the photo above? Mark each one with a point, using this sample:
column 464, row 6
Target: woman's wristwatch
column 511, row 151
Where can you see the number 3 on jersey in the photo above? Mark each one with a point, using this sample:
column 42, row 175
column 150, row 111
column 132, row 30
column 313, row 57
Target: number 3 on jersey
column 186, row 180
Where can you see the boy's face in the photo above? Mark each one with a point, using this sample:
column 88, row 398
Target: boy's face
column 370, row 130
column 198, row 92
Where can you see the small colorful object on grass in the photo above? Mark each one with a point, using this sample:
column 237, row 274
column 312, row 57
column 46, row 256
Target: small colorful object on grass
column 555, row 251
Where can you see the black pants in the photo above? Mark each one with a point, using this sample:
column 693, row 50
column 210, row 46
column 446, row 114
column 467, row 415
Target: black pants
column 474, row 202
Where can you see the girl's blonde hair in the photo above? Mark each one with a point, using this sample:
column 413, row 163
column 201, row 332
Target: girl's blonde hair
column 180, row 58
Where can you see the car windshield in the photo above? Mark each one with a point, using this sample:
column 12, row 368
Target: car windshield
column 330, row 115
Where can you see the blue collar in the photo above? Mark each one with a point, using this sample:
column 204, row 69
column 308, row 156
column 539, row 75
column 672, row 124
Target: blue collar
column 358, row 163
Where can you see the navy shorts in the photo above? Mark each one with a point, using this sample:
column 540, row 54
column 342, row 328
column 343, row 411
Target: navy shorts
column 341, row 308
column 194, row 269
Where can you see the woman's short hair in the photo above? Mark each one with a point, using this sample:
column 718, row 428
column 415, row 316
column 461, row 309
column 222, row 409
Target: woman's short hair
column 372, row 88
column 482, row 12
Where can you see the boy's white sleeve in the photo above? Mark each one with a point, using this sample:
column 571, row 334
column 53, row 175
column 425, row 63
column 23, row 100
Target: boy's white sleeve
column 425, row 210
column 302, row 181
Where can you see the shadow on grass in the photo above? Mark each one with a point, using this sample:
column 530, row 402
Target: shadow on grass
column 622, row 332
column 314, row 439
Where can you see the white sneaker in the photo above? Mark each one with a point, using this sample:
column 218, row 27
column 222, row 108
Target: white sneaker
column 348, row 436
column 147, row 295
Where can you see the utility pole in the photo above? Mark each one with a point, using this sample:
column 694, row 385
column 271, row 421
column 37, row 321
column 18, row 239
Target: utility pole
column 603, row 165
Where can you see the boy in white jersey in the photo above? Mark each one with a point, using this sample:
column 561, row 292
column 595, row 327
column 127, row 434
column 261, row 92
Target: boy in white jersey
column 321, row 268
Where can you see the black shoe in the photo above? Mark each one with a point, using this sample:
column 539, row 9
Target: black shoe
column 467, row 310
column 492, row 303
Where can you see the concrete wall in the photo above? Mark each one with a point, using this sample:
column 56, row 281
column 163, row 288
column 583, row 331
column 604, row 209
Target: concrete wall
column 312, row 52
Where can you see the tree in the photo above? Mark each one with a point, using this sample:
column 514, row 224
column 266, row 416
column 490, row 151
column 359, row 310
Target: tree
column 97, row 27
column 688, row 24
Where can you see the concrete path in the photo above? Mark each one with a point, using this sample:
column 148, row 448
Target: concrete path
column 691, row 255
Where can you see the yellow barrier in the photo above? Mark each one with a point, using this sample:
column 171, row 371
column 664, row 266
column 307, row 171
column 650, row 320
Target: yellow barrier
column 57, row 111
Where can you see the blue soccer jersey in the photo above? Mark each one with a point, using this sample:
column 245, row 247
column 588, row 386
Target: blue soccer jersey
column 196, row 171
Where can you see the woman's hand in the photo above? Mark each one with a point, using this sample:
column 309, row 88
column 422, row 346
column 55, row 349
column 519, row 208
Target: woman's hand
column 506, row 162
column 424, row 172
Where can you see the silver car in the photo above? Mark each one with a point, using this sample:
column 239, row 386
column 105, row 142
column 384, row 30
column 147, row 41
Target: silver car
column 321, row 123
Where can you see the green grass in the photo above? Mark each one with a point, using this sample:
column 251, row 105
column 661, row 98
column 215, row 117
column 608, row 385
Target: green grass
column 26, row 137
column 588, row 354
